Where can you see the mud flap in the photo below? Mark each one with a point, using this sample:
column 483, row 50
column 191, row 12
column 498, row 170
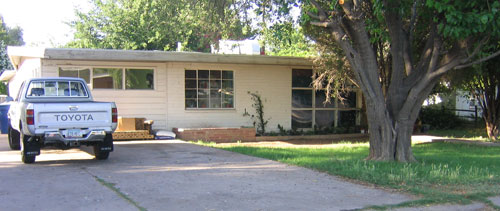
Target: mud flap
column 31, row 147
column 107, row 144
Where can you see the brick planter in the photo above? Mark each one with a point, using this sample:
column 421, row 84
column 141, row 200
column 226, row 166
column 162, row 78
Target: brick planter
column 218, row 135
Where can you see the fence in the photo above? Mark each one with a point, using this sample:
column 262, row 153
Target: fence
column 475, row 114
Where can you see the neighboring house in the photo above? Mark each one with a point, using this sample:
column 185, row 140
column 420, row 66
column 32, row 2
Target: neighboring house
column 248, row 47
column 191, row 90
column 461, row 102
column 467, row 106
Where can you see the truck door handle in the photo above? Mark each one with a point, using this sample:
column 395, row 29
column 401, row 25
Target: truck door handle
column 73, row 108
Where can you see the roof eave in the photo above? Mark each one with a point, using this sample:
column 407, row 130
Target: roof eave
column 167, row 56
column 17, row 53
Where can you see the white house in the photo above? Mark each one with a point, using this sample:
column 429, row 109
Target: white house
column 190, row 90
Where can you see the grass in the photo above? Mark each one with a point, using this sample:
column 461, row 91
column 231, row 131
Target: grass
column 444, row 173
column 112, row 187
column 477, row 134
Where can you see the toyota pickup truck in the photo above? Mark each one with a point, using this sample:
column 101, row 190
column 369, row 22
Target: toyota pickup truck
column 61, row 113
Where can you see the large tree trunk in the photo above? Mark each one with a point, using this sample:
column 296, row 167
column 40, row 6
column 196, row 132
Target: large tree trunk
column 490, row 115
column 389, row 139
column 489, row 99
column 492, row 130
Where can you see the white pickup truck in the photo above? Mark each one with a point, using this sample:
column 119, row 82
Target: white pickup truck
column 61, row 113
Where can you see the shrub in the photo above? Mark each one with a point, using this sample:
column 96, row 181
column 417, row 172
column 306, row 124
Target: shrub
column 439, row 118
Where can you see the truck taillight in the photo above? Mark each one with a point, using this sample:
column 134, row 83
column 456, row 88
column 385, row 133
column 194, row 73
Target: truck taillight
column 30, row 116
column 114, row 115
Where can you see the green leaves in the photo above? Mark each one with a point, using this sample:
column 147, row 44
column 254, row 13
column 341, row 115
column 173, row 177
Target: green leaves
column 461, row 19
column 285, row 39
column 157, row 24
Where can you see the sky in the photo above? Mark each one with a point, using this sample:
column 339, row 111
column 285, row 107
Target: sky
column 42, row 21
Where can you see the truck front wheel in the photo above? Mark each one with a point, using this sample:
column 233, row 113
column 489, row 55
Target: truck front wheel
column 13, row 136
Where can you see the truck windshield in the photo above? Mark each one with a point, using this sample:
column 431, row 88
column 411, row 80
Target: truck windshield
column 56, row 89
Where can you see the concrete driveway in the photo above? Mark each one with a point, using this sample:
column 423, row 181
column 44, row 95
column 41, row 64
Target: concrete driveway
column 172, row 175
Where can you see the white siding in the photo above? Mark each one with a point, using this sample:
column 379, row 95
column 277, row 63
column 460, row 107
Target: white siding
column 272, row 82
column 29, row 68
column 149, row 104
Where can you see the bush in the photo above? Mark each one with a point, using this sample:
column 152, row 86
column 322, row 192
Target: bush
column 439, row 118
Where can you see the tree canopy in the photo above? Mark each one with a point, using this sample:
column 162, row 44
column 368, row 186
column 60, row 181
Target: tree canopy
column 8, row 36
column 197, row 25
column 158, row 24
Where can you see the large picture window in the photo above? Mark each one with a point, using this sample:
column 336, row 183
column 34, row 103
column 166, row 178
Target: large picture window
column 112, row 78
column 209, row 89
column 309, row 110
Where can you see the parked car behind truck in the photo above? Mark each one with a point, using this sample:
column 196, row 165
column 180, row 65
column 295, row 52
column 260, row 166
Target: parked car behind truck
column 61, row 113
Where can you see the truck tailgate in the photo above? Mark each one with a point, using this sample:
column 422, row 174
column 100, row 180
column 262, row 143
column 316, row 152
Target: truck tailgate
column 72, row 115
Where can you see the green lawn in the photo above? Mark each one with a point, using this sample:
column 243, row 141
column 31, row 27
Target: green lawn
column 477, row 134
column 444, row 173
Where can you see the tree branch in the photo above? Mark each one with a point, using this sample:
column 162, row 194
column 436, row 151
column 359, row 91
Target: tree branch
column 322, row 24
column 477, row 61
column 413, row 20
column 312, row 15
column 321, row 12
column 427, row 51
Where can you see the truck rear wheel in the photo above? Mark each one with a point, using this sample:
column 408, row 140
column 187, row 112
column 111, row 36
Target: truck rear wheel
column 102, row 150
column 101, row 155
column 28, row 159
column 14, row 140
column 27, row 149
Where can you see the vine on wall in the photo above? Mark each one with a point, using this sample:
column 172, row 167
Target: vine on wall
column 259, row 121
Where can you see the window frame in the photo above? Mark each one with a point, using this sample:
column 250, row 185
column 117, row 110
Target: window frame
column 209, row 89
column 124, row 69
column 86, row 92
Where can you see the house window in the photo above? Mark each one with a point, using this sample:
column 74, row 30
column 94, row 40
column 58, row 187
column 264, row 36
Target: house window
column 308, row 107
column 139, row 79
column 107, row 78
column 75, row 73
column 112, row 78
column 209, row 89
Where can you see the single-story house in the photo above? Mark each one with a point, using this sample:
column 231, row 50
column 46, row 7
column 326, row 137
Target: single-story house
column 191, row 90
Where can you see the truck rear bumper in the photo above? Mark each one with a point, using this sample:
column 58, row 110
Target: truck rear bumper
column 57, row 137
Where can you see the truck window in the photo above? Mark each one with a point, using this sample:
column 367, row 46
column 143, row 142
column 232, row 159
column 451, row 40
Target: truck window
column 56, row 89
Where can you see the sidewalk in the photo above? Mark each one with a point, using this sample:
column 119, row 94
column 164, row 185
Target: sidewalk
column 432, row 139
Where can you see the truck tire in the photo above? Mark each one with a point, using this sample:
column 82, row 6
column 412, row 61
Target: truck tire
column 26, row 158
column 101, row 154
column 14, row 140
